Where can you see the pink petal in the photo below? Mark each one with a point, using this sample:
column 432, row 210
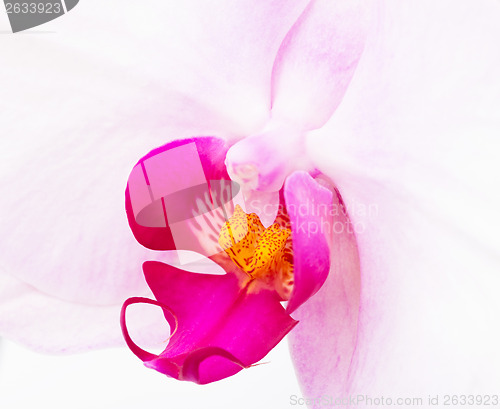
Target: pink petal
column 413, row 151
column 309, row 207
column 313, row 68
column 222, row 325
column 317, row 61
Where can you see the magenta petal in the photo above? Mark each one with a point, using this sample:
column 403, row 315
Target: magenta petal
column 309, row 207
column 197, row 300
column 223, row 325
column 222, row 364
column 182, row 167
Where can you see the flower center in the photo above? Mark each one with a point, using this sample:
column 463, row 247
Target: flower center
column 262, row 253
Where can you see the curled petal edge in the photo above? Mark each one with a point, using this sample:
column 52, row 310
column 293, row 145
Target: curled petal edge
column 142, row 354
column 311, row 249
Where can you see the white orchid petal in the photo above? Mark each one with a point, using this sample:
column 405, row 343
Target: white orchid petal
column 36, row 320
column 415, row 139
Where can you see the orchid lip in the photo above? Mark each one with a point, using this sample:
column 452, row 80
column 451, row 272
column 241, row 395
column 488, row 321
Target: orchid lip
column 209, row 321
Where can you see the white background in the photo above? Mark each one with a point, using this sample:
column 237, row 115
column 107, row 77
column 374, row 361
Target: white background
column 116, row 379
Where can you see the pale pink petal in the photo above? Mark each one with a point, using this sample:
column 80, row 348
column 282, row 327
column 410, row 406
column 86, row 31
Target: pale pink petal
column 313, row 68
column 214, row 55
column 317, row 61
column 413, row 150
column 51, row 325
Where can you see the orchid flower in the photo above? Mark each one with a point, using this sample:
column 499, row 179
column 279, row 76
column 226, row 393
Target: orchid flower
column 396, row 103
column 223, row 323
